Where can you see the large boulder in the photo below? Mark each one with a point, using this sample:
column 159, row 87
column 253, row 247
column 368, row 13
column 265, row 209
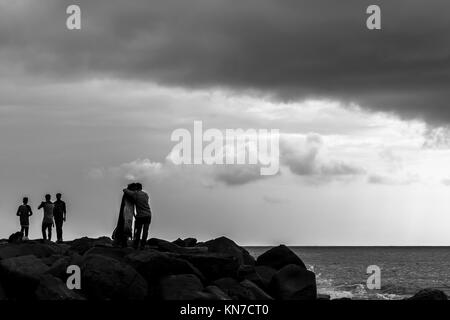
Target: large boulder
column 111, row 252
column 229, row 247
column 262, row 276
column 180, row 287
column 217, row 293
column 244, row 271
column 293, row 282
column 188, row 242
column 234, row 289
column 153, row 265
column 429, row 294
column 59, row 268
column 84, row 244
column 278, row 257
column 21, row 275
column 104, row 278
column 166, row 246
column 257, row 292
column 212, row 265
column 52, row 288
column 52, row 259
column 39, row 250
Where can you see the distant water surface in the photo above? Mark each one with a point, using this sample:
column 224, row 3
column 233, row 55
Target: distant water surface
column 341, row 271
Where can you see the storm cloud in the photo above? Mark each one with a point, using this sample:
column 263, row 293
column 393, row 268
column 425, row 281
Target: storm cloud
column 288, row 49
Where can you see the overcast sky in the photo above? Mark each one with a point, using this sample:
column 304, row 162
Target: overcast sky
column 363, row 116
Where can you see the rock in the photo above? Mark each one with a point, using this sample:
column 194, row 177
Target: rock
column 52, row 259
column 165, row 246
column 278, row 257
column 234, row 289
column 212, row 265
column 111, row 252
column 229, row 247
column 321, row 296
column 217, row 293
column 245, row 271
column 52, row 288
column 429, row 294
column 259, row 293
column 39, row 250
column 105, row 278
column 59, row 268
column 179, row 242
column 293, row 282
column 188, row 242
column 262, row 276
column 15, row 237
column 84, row 244
column 20, row 275
column 153, row 265
column 180, row 287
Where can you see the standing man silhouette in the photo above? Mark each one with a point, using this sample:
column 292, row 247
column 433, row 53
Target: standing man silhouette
column 24, row 212
column 60, row 214
column 47, row 221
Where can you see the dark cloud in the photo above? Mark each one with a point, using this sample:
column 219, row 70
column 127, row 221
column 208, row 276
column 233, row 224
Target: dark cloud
column 290, row 49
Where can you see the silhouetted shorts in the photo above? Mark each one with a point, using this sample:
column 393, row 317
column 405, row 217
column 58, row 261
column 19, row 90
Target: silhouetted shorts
column 47, row 225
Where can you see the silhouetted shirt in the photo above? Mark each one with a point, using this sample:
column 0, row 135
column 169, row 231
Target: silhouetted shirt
column 141, row 201
column 24, row 212
column 59, row 209
column 48, row 212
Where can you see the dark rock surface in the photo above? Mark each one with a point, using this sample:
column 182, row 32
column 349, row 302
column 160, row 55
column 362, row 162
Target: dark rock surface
column 429, row 294
column 180, row 287
column 293, row 282
column 234, row 289
column 278, row 257
column 218, row 269
column 105, row 278
column 229, row 247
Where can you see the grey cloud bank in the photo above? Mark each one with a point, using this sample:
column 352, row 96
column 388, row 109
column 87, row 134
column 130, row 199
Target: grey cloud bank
column 288, row 49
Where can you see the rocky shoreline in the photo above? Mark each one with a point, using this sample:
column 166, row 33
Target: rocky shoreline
column 218, row 269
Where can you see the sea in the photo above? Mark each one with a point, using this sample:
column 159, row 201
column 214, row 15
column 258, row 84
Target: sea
column 341, row 272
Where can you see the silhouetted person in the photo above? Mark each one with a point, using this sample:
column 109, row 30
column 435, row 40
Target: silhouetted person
column 59, row 214
column 143, row 214
column 124, row 230
column 47, row 221
column 24, row 212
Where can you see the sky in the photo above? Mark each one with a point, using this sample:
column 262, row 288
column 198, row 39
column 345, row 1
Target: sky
column 363, row 117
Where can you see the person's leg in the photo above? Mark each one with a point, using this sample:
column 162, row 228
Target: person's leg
column 59, row 224
column 49, row 232
column 145, row 234
column 137, row 232
column 44, row 234
column 26, row 231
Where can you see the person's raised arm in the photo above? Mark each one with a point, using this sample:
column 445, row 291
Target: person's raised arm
column 41, row 206
column 130, row 194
